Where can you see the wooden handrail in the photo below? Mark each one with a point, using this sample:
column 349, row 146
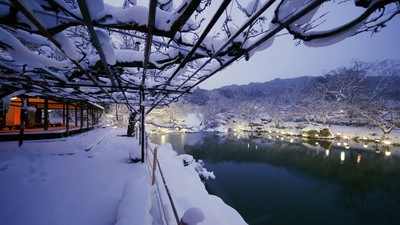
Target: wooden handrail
column 165, row 185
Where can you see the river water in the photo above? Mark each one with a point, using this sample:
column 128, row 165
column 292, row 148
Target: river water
column 274, row 180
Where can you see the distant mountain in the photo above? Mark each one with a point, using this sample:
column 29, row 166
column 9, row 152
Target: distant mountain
column 300, row 87
column 270, row 89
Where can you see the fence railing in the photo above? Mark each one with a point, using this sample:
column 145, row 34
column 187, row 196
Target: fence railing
column 155, row 165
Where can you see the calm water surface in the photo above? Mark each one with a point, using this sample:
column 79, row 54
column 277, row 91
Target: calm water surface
column 272, row 181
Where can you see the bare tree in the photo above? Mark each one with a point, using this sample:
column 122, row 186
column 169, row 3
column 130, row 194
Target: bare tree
column 384, row 115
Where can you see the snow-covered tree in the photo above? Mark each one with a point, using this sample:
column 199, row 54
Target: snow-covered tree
column 384, row 115
column 118, row 115
column 94, row 51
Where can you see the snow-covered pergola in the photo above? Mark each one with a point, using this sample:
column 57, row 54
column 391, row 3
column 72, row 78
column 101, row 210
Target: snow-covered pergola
column 150, row 55
column 147, row 55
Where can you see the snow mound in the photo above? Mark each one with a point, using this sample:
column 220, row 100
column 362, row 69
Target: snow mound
column 198, row 165
column 135, row 152
column 193, row 216
column 135, row 204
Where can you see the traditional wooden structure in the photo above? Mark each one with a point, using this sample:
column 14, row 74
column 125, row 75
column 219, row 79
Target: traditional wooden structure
column 71, row 113
column 43, row 113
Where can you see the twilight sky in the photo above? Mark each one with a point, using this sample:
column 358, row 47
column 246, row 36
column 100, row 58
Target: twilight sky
column 285, row 60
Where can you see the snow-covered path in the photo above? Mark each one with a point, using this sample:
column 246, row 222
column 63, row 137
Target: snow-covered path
column 88, row 179
column 59, row 182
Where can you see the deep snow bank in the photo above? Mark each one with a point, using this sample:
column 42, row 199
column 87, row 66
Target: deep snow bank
column 135, row 204
column 189, row 192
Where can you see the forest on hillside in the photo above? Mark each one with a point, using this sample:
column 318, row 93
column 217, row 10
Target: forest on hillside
column 362, row 94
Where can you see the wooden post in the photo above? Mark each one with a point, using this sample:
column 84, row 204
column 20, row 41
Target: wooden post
column 87, row 117
column 95, row 116
column 81, row 116
column 23, row 117
column 99, row 114
column 38, row 117
column 147, row 146
column 63, row 113
column 92, row 114
column 76, row 115
column 46, row 113
column 142, row 129
column 153, row 180
column 116, row 112
column 67, row 122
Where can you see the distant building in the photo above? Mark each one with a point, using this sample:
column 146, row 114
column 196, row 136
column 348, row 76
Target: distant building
column 59, row 113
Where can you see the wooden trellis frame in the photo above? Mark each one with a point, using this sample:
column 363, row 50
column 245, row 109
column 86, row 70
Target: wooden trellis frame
column 152, row 83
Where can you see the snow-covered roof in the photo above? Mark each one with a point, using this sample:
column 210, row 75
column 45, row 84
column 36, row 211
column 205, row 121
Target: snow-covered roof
column 148, row 55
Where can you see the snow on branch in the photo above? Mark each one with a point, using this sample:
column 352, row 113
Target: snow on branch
column 55, row 40
column 362, row 23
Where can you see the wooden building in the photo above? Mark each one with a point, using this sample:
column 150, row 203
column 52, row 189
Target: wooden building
column 44, row 114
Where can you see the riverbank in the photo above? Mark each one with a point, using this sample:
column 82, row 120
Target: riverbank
column 337, row 132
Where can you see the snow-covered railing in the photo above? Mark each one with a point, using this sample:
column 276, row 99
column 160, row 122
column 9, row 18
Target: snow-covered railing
column 191, row 216
column 155, row 166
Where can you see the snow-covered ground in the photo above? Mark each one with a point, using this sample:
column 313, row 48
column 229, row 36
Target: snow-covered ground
column 87, row 179
column 360, row 133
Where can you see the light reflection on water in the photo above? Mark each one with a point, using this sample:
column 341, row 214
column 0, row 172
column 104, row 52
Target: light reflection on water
column 270, row 180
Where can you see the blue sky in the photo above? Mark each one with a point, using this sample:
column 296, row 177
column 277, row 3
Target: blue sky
column 285, row 60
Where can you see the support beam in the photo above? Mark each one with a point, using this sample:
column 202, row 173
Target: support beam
column 67, row 121
column 92, row 115
column 87, row 116
column 214, row 19
column 149, row 38
column 81, row 124
column 63, row 114
column 142, row 130
column 76, row 115
column 46, row 114
column 95, row 116
column 96, row 42
column 23, row 117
